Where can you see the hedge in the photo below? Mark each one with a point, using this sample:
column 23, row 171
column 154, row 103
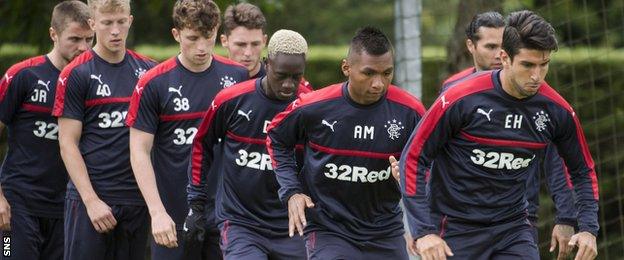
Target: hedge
column 592, row 80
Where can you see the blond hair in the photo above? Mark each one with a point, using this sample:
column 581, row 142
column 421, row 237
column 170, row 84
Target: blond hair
column 109, row 6
column 287, row 42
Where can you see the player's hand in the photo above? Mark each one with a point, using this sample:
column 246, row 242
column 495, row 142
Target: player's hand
column 195, row 224
column 561, row 235
column 101, row 215
column 410, row 244
column 586, row 243
column 296, row 213
column 5, row 214
column 164, row 230
column 394, row 166
column 432, row 247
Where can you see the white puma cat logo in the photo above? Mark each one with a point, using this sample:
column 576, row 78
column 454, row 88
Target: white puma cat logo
column 444, row 102
column 331, row 126
column 246, row 115
column 45, row 84
column 177, row 90
column 481, row 111
column 98, row 78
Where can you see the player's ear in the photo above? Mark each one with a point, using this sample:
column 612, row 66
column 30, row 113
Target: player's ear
column 176, row 34
column 505, row 59
column 53, row 34
column 224, row 40
column 92, row 23
column 345, row 67
column 470, row 45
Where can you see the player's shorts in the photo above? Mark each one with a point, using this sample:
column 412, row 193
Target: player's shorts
column 240, row 242
column 512, row 240
column 33, row 237
column 324, row 245
column 208, row 249
column 128, row 240
column 534, row 231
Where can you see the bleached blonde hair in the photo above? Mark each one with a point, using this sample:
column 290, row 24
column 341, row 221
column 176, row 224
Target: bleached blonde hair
column 108, row 6
column 287, row 42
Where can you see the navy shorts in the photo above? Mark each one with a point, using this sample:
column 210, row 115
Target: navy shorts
column 240, row 242
column 513, row 240
column 33, row 237
column 324, row 245
column 208, row 250
column 128, row 240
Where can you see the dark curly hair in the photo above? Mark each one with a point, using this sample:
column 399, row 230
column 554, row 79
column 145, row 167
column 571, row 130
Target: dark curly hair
column 201, row 15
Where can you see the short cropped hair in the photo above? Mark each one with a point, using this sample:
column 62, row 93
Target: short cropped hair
column 287, row 42
column 372, row 40
column 200, row 15
column 243, row 14
column 109, row 6
column 526, row 29
column 488, row 19
column 67, row 12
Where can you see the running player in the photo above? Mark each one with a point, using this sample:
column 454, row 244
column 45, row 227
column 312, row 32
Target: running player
column 344, row 196
column 484, row 40
column 477, row 201
column 105, row 215
column 252, row 219
column 244, row 36
column 33, row 176
column 165, row 112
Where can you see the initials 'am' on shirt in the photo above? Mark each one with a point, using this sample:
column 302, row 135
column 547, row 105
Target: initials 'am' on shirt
column 346, row 170
column 97, row 93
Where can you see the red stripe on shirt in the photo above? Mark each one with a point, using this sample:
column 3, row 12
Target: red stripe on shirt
column 500, row 142
column 184, row 116
column 354, row 153
column 403, row 97
column 197, row 150
column 329, row 92
column 104, row 101
column 550, row 93
column 37, row 108
column 59, row 99
column 243, row 139
column 135, row 101
column 7, row 78
column 430, row 120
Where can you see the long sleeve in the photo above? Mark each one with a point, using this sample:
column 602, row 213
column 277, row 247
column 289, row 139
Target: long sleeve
column 560, row 187
column 283, row 133
column 438, row 125
column 571, row 144
column 211, row 129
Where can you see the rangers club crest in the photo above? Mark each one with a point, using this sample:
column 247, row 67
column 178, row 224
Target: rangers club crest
column 394, row 128
column 227, row 81
column 139, row 72
column 540, row 120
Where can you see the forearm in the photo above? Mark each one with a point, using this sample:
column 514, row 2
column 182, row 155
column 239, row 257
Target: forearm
column 146, row 179
column 77, row 170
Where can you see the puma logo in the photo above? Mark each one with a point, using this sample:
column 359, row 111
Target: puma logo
column 176, row 90
column 7, row 77
column 62, row 80
column 444, row 102
column 98, row 78
column 486, row 114
column 246, row 115
column 331, row 126
column 45, row 84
